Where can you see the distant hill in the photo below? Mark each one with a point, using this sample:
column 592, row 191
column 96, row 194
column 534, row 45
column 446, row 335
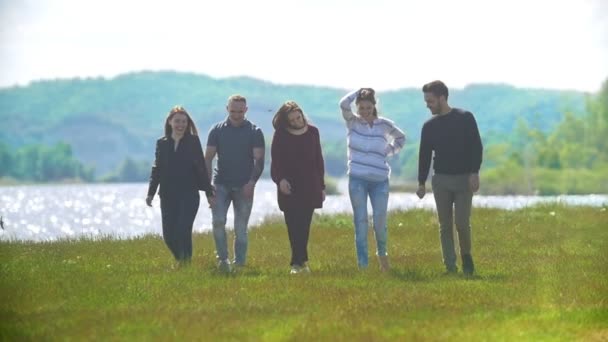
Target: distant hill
column 106, row 120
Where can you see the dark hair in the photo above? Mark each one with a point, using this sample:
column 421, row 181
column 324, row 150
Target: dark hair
column 367, row 94
column 190, row 129
column 437, row 88
column 280, row 118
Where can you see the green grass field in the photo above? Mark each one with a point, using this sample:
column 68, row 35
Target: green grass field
column 542, row 275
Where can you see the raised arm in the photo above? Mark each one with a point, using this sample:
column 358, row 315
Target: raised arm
column 345, row 105
column 397, row 140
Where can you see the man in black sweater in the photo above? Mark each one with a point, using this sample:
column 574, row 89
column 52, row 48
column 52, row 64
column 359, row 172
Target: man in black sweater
column 453, row 136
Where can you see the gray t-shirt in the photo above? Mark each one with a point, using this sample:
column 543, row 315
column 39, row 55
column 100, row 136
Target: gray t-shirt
column 234, row 146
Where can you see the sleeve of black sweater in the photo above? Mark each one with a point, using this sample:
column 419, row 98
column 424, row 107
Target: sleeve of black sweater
column 155, row 172
column 425, row 154
column 476, row 145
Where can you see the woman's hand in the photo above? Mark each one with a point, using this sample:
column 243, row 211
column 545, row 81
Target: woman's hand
column 285, row 187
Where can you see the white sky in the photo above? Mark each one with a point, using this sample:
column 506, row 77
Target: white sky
column 558, row 44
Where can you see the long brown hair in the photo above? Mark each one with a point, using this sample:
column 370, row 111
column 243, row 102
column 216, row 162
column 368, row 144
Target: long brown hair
column 367, row 94
column 280, row 118
column 190, row 129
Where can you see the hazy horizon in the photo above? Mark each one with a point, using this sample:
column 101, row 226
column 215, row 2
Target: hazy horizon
column 415, row 87
column 388, row 45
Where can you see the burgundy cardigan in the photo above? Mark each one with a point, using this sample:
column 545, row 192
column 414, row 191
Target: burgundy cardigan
column 299, row 160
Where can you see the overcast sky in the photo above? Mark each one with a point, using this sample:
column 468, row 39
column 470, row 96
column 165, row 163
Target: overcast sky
column 557, row 44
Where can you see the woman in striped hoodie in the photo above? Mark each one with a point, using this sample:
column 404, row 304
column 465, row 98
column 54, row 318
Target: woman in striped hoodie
column 371, row 140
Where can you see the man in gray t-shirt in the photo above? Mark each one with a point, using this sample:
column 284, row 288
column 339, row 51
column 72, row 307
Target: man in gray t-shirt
column 239, row 146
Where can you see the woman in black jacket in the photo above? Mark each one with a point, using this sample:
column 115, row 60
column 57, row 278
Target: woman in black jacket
column 180, row 170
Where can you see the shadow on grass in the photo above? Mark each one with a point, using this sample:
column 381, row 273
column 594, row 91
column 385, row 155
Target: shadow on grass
column 416, row 275
column 331, row 271
column 494, row 277
column 411, row 275
column 246, row 271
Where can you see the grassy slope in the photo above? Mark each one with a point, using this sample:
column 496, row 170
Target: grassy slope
column 541, row 277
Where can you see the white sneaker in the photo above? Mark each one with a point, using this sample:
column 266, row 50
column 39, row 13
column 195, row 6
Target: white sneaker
column 224, row 266
column 295, row 269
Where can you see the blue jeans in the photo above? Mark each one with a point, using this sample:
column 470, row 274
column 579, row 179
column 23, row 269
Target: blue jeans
column 242, row 209
column 359, row 189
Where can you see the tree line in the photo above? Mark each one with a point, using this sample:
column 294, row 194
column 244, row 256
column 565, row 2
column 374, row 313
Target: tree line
column 570, row 159
column 109, row 120
column 535, row 142
column 41, row 163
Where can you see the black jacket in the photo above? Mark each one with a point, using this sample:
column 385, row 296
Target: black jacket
column 191, row 147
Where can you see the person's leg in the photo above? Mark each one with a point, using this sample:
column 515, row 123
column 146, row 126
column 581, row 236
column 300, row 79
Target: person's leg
column 378, row 196
column 462, row 210
column 169, row 213
column 242, row 211
column 290, row 219
column 219, row 212
column 444, row 200
column 188, row 209
column 306, row 219
column 358, row 192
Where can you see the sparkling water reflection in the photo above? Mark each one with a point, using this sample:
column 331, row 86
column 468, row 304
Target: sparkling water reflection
column 52, row 212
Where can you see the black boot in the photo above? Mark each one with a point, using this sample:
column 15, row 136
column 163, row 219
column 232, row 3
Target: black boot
column 468, row 268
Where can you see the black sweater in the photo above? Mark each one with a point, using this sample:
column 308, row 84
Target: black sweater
column 181, row 171
column 455, row 139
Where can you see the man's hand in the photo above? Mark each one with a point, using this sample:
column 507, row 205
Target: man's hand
column 248, row 190
column 474, row 182
column 323, row 196
column 285, row 187
column 149, row 200
column 421, row 191
column 211, row 199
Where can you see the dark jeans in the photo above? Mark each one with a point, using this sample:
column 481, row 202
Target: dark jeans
column 298, row 227
column 178, row 213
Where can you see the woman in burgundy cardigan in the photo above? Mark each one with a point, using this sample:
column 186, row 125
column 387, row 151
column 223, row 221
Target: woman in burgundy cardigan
column 297, row 168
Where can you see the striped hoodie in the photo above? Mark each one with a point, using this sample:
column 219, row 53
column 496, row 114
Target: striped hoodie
column 369, row 146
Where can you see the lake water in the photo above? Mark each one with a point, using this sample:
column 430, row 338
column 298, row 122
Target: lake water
column 52, row 212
